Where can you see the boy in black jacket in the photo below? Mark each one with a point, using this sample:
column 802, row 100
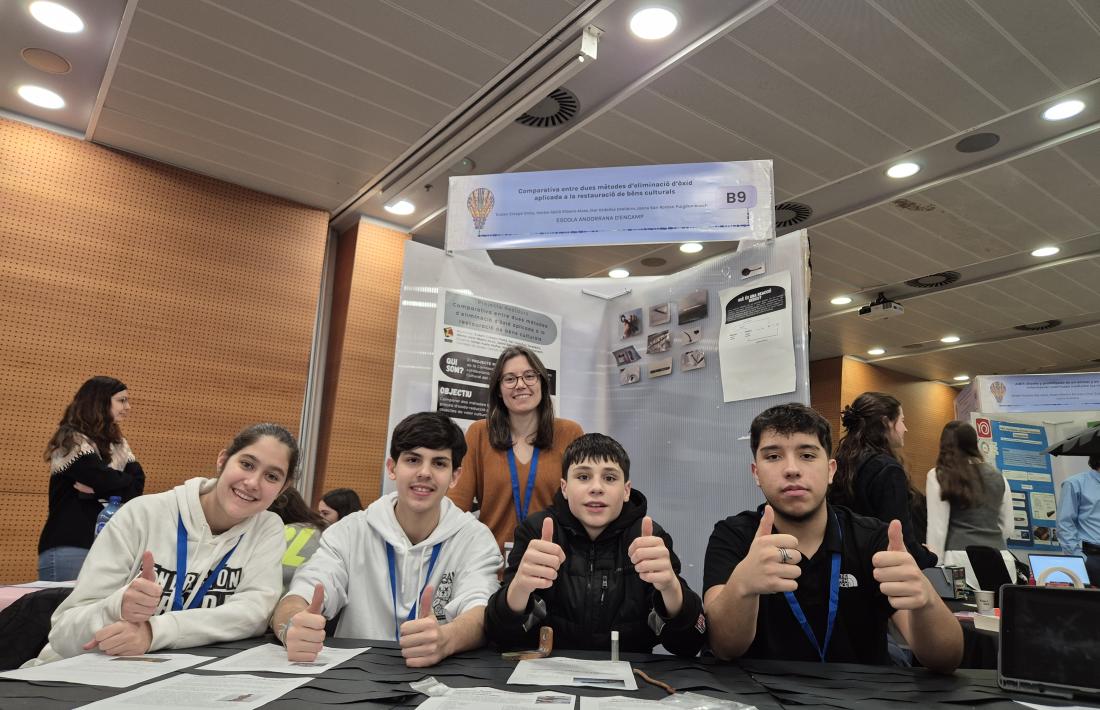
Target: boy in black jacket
column 594, row 562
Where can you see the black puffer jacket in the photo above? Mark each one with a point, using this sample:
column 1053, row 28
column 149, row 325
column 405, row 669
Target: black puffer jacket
column 597, row 591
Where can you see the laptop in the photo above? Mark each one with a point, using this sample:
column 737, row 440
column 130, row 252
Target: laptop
column 1048, row 640
column 1058, row 570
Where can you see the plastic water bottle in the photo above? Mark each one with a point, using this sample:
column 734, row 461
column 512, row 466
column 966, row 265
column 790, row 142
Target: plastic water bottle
column 113, row 504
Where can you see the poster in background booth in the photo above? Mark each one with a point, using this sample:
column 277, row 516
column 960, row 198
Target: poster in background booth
column 470, row 334
column 623, row 205
column 755, row 347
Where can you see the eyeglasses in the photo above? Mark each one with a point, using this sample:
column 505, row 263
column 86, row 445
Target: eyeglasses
column 529, row 378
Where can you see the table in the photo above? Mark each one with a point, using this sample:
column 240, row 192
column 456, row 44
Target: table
column 379, row 679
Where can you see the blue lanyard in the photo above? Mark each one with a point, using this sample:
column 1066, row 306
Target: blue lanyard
column 391, row 557
column 181, row 570
column 521, row 513
column 834, row 601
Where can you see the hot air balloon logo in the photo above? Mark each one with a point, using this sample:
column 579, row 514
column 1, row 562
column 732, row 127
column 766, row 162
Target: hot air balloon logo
column 480, row 204
column 998, row 389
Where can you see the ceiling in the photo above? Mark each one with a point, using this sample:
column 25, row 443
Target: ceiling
column 348, row 105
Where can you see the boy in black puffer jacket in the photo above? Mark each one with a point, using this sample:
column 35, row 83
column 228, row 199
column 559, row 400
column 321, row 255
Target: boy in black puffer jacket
column 594, row 562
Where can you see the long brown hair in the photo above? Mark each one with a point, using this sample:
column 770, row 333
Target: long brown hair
column 957, row 466
column 292, row 508
column 500, row 433
column 89, row 414
column 866, row 421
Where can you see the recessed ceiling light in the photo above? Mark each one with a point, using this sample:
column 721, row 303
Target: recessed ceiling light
column 653, row 23
column 1064, row 110
column 41, row 97
column 1046, row 251
column 877, row 351
column 691, row 247
column 56, row 17
column 961, row 378
column 841, row 300
column 618, row 273
column 949, row 339
column 401, row 207
column 903, row 170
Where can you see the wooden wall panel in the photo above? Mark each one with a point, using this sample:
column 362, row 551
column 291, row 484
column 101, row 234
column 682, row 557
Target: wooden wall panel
column 825, row 385
column 200, row 295
column 357, row 414
column 928, row 406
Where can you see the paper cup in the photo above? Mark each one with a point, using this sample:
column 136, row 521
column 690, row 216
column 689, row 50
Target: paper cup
column 985, row 602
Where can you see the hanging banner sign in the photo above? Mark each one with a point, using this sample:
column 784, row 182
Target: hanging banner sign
column 1018, row 451
column 629, row 205
column 470, row 334
column 1068, row 392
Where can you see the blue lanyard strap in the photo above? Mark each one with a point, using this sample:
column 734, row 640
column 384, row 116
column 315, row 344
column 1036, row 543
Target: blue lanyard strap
column 834, row 602
column 181, row 569
column 391, row 558
column 522, row 506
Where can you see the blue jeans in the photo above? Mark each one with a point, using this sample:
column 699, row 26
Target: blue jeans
column 60, row 564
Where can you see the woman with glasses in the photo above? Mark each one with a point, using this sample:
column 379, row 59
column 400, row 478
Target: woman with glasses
column 513, row 464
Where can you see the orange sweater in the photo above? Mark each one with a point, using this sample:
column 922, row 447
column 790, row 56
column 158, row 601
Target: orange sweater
column 486, row 477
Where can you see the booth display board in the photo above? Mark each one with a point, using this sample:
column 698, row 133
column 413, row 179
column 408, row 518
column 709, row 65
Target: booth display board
column 642, row 366
column 470, row 333
column 622, row 205
column 998, row 394
column 1018, row 451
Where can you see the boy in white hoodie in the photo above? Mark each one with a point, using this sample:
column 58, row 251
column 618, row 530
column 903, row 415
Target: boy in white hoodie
column 213, row 533
column 409, row 561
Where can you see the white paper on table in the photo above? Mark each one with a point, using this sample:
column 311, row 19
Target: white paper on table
column 756, row 329
column 109, row 671
column 493, row 699
column 202, row 692
column 620, row 702
column 1037, row 706
column 609, row 675
column 271, row 658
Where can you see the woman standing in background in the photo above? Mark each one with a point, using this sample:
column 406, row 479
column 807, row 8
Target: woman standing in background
column 513, row 463
column 89, row 461
column 870, row 479
column 968, row 500
column 338, row 503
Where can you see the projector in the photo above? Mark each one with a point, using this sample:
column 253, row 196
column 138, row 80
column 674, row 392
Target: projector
column 881, row 309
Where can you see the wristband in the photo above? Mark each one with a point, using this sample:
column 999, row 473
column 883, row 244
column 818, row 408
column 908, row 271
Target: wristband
column 283, row 630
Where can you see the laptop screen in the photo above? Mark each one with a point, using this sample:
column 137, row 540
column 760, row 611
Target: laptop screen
column 1052, row 565
column 1048, row 635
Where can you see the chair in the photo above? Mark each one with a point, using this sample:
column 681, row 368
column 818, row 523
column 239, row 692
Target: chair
column 989, row 568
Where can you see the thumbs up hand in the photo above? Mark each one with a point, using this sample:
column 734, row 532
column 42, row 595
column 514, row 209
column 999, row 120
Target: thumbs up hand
column 537, row 569
column 897, row 573
column 424, row 641
column 771, row 564
column 305, row 633
column 140, row 600
column 651, row 559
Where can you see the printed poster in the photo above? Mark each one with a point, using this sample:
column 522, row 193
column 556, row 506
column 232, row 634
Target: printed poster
column 1017, row 450
column 756, row 343
column 471, row 332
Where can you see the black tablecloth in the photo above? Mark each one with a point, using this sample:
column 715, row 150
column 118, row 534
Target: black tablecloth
column 380, row 679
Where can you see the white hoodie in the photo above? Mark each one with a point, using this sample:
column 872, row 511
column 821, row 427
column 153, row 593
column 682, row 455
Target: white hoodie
column 237, row 606
column 351, row 563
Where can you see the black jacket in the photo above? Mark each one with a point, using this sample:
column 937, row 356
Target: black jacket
column 881, row 490
column 72, row 515
column 597, row 591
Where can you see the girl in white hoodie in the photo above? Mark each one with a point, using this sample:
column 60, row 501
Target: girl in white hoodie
column 215, row 533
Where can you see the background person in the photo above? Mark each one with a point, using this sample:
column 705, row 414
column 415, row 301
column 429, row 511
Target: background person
column 337, row 503
column 514, row 460
column 1079, row 518
column 302, row 529
column 870, row 479
column 969, row 501
column 89, row 461
column 137, row 593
